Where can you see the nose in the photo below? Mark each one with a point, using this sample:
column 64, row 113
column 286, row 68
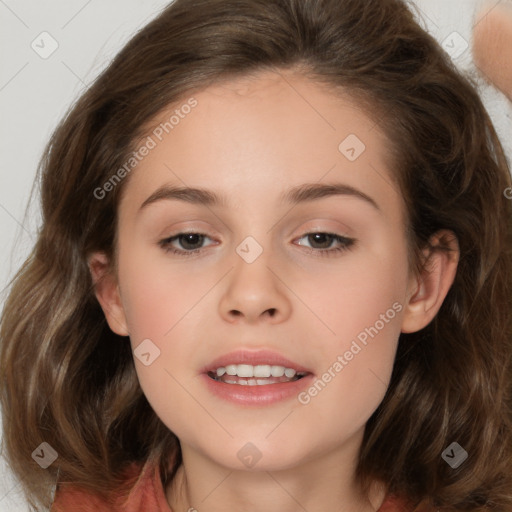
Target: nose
column 255, row 292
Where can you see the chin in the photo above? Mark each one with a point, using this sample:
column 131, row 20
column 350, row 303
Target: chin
column 254, row 457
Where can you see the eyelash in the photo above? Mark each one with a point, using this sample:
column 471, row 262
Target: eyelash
column 347, row 244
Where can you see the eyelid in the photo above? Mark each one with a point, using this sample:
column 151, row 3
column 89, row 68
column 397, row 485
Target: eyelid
column 327, row 226
column 312, row 226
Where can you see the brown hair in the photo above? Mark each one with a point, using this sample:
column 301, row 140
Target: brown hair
column 68, row 380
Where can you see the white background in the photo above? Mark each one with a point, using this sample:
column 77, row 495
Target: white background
column 36, row 92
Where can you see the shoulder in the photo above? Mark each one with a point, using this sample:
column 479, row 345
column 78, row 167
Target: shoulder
column 492, row 44
column 146, row 494
column 394, row 503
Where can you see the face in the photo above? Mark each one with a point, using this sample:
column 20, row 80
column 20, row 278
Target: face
column 272, row 276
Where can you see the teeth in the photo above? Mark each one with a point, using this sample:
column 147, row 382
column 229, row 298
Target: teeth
column 277, row 371
column 260, row 370
column 230, row 369
column 245, row 370
column 248, row 382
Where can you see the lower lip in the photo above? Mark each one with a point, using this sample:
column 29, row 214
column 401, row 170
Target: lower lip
column 257, row 395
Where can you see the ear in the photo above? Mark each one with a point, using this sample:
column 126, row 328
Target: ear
column 106, row 290
column 427, row 291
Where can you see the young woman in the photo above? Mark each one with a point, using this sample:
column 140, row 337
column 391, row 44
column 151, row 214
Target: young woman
column 274, row 273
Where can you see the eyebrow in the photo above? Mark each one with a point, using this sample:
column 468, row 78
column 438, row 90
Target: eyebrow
column 299, row 194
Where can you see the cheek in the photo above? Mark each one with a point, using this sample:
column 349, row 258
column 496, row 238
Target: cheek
column 349, row 297
column 167, row 307
column 357, row 364
column 156, row 297
column 362, row 305
column 161, row 307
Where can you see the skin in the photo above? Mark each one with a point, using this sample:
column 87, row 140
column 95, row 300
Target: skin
column 251, row 140
column 492, row 45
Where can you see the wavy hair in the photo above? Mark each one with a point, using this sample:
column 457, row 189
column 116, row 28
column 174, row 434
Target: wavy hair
column 68, row 380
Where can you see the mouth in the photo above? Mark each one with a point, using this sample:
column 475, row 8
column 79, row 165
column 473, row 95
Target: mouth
column 255, row 375
column 252, row 378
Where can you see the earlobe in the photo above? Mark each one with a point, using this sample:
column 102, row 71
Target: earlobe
column 107, row 292
column 428, row 290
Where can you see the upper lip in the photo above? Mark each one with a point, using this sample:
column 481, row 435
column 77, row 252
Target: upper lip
column 252, row 357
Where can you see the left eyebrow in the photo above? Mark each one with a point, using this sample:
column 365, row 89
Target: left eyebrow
column 300, row 194
column 314, row 191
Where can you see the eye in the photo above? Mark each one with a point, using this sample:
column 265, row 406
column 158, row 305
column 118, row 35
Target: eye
column 325, row 240
column 192, row 243
column 189, row 241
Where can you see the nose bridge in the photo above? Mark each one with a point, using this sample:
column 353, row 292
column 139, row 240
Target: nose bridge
column 254, row 288
column 255, row 237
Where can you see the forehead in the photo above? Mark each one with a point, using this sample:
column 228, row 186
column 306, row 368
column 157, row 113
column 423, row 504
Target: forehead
column 263, row 134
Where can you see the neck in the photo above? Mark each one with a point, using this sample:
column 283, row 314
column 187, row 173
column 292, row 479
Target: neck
column 324, row 483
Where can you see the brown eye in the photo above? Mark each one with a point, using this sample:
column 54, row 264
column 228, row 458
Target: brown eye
column 189, row 243
column 321, row 243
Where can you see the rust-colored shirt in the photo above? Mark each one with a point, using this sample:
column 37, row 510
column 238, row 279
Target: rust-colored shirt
column 147, row 495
